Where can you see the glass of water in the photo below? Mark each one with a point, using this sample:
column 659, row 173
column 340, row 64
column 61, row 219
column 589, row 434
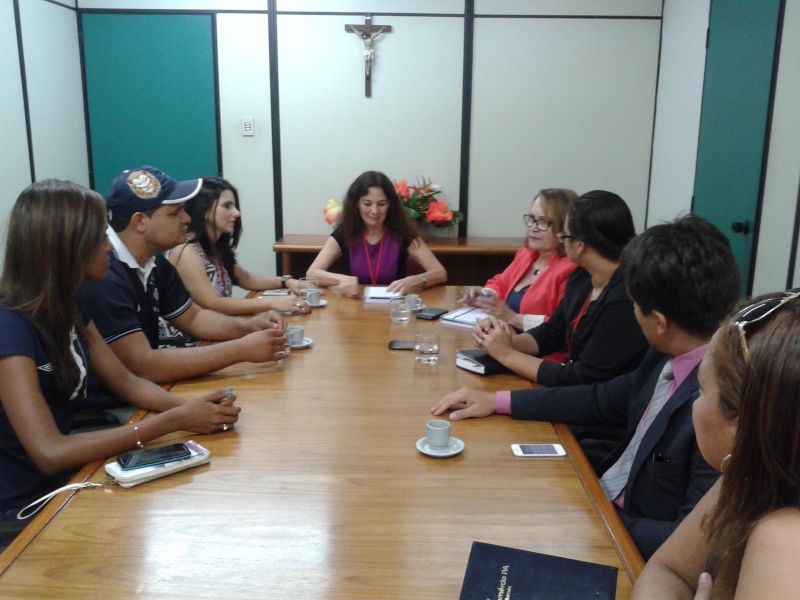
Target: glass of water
column 400, row 312
column 426, row 346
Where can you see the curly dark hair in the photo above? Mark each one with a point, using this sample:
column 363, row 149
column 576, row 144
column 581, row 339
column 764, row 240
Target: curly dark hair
column 397, row 221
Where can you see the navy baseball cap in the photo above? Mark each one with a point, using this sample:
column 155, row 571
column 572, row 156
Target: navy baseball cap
column 146, row 188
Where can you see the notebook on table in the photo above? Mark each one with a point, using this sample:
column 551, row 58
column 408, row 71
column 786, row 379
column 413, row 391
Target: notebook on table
column 508, row 573
column 464, row 317
column 478, row 361
column 380, row 294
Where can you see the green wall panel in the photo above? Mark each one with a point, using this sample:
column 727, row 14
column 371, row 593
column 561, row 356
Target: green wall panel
column 733, row 118
column 150, row 93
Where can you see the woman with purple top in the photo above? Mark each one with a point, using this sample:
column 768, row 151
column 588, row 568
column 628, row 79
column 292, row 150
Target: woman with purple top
column 374, row 239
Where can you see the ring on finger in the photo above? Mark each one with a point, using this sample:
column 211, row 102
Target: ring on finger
column 224, row 427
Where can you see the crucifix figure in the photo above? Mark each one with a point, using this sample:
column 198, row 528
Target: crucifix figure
column 368, row 34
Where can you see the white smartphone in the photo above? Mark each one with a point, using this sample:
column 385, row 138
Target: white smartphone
column 538, row 450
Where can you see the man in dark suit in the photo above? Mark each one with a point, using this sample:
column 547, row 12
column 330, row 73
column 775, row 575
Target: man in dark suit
column 683, row 281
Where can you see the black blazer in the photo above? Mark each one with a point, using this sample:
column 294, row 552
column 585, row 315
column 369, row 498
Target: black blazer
column 668, row 476
column 607, row 342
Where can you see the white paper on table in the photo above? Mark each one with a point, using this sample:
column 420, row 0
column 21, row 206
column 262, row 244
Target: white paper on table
column 380, row 294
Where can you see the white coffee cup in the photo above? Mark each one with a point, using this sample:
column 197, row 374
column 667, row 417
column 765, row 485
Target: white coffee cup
column 313, row 297
column 438, row 435
column 414, row 301
column 294, row 335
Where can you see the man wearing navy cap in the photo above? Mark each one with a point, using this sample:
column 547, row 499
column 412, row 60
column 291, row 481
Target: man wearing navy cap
column 146, row 218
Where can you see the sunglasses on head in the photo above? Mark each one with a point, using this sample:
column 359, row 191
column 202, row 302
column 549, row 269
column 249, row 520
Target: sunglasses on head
column 758, row 311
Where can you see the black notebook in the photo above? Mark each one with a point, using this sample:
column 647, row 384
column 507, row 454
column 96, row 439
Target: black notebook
column 479, row 361
column 502, row 573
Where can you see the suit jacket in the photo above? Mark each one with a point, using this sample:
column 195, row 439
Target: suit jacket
column 607, row 342
column 668, row 475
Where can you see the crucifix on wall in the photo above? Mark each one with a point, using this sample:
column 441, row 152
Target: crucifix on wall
column 368, row 34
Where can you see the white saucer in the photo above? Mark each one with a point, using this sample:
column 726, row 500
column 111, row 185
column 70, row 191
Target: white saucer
column 306, row 343
column 455, row 447
column 322, row 303
column 419, row 308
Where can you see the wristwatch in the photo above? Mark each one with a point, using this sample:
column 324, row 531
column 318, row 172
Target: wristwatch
column 284, row 279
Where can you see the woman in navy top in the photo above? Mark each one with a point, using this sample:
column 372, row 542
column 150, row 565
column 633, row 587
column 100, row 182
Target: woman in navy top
column 374, row 240
column 56, row 240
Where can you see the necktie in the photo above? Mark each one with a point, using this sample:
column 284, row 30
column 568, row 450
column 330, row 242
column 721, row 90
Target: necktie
column 613, row 480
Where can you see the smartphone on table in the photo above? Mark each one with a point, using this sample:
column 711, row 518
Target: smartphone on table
column 538, row 450
column 431, row 314
column 153, row 456
column 401, row 345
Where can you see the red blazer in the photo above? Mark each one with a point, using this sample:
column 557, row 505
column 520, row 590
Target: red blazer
column 544, row 295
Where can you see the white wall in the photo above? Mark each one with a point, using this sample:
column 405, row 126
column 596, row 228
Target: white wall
column 559, row 103
column 55, row 93
column 680, row 95
column 783, row 168
column 15, row 170
column 638, row 8
column 243, row 59
column 330, row 132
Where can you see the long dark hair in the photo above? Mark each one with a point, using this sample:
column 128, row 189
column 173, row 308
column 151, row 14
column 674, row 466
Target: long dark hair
column 397, row 222
column 54, row 231
column 763, row 473
column 602, row 220
column 224, row 249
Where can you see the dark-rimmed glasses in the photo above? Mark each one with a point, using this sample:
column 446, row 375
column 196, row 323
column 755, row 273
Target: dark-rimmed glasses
column 562, row 237
column 538, row 223
column 756, row 312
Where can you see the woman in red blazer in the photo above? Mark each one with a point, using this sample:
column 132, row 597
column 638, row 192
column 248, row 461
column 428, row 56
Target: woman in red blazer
column 528, row 291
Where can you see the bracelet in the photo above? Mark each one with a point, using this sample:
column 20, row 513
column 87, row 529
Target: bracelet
column 424, row 277
column 139, row 443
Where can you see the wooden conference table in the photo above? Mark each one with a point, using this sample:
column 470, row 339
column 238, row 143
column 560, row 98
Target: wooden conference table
column 468, row 260
column 319, row 491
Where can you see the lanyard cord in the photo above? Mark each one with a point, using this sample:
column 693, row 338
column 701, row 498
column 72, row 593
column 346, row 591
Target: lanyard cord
column 373, row 276
column 38, row 505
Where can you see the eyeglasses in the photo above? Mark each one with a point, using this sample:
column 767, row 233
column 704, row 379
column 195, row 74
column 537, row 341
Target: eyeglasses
column 564, row 236
column 538, row 223
column 756, row 312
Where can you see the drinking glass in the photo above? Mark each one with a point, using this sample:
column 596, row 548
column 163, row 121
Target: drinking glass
column 306, row 285
column 426, row 347
column 400, row 312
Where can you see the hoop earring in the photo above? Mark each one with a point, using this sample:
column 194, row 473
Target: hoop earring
column 724, row 464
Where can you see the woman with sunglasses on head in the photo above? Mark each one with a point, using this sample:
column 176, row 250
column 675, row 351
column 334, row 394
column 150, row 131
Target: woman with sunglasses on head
column 375, row 239
column 207, row 261
column 56, row 240
column 528, row 291
column 743, row 538
column 593, row 329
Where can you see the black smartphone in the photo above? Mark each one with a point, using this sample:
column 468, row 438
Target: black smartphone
column 401, row 345
column 431, row 314
column 153, row 456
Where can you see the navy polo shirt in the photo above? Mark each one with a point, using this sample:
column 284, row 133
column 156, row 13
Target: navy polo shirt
column 20, row 479
column 120, row 304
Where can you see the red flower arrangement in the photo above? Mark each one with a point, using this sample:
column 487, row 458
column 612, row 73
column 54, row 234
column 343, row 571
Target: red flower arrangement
column 421, row 203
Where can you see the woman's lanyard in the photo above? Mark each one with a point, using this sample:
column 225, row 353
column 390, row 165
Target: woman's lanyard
column 373, row 275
